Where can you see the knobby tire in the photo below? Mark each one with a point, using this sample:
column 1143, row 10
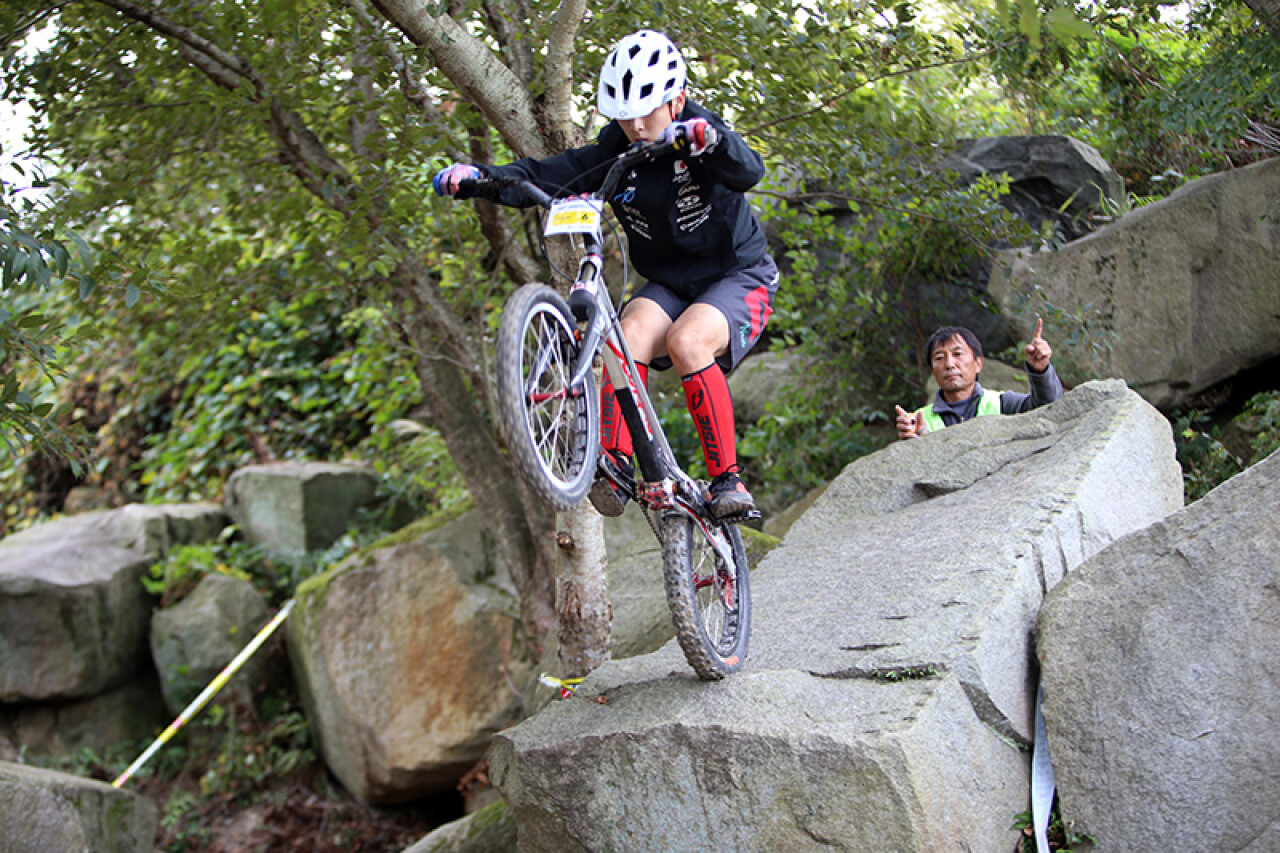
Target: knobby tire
column 552, row 430
column 710, row 603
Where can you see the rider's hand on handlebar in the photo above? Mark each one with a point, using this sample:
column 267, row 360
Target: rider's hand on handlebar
column 698, row 134
column 447, row 179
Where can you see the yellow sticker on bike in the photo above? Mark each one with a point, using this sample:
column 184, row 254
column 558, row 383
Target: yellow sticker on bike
column 574, row 216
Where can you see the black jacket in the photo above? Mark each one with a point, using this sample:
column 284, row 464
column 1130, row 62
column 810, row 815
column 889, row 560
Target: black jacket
column 687, row 221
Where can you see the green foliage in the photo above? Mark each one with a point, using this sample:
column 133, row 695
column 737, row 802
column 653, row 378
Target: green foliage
column 31, row 264
column 417, row 474
column 250, row 757
column 289, row 383
column 182, row 568
column 806, row 439
column 871, row 268
column 1059, row 837
column 1162, row 90
column 1206, row 459
column 1206, row 462
column 179, row 823
column 1261, row 418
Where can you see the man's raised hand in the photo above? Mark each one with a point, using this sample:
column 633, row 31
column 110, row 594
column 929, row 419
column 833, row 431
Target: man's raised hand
column 1038, row 352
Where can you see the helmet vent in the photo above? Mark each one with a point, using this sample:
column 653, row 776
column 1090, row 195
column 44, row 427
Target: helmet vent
column 643, row 72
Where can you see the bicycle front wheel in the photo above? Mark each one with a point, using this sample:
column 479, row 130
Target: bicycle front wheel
column 710, row 599
column 552, row 429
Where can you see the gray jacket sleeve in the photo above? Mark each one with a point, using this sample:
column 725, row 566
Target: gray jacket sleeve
column 1045, row 388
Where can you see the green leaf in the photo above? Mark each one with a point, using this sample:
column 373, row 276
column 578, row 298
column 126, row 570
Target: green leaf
column 14, row 266
column 86, row 253
column 1029, row 21
column 61, row 258
column 131, row 295
column 1065, row 24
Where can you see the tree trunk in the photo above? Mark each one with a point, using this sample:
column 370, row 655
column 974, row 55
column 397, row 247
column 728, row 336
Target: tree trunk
column 583, row 608
column 582, row 592
column 453, row 382
column 474, row 69
column 522, row 527
column 1269, row 12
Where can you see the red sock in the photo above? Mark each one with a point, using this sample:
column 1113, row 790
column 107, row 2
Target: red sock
column 707, row 395
column 614, row 434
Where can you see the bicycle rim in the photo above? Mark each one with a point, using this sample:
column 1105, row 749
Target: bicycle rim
column 551, row 428
column 710, row 601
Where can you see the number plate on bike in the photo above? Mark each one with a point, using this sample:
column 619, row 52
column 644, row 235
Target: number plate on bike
column 574, row 216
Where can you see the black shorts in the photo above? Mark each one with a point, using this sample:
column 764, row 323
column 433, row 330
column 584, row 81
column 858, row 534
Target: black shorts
column 744, row 297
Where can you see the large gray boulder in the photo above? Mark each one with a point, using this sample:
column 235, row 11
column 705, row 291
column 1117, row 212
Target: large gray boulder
column 408, row 659
column 192, row 641
column 73, row 614
column 295, row 507
column 133, row 713
column 641, row 620
column 489, row 830
column 887, row 701
column 43, row 811
column 73, row 611
column 1161, row 672
column 1051, row 177
column 1174, row 297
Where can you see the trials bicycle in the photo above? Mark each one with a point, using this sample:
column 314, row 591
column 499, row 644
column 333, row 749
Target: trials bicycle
column 549, row 407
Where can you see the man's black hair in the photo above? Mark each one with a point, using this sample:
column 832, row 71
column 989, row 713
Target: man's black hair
column 946, row 333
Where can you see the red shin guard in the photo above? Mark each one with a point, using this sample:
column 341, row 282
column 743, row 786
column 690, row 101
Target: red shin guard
column 707, row 395
column 614, row 434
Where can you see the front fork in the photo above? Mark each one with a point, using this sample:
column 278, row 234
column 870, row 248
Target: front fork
column 664, row 486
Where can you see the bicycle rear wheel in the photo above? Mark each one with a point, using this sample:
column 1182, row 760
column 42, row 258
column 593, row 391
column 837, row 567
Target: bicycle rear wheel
column 552, row 430
column 710, row 600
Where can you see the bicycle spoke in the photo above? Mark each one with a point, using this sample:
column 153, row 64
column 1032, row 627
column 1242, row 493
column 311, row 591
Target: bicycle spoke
column 551, row 425
column 552, row 409
column 708, row 595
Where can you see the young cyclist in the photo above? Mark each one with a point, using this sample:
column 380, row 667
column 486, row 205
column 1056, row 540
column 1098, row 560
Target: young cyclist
column 691, row 234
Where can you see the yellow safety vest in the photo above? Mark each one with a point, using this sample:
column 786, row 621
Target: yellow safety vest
column 988, row 404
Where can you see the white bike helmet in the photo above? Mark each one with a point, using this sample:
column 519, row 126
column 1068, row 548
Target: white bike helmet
column 642, row 73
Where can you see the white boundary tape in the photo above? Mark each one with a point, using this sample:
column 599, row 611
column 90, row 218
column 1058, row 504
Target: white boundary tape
column 1042, row 781
column 208, row 693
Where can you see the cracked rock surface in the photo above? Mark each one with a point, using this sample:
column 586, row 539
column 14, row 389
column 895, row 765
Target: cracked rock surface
column 887, row 700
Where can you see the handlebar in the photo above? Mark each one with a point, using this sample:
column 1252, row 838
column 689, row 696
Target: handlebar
column 639, row 152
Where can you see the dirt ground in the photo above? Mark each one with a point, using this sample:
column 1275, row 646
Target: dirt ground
column 308, row 811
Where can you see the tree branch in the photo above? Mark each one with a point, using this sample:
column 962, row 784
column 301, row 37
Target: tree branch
column 301, row 150
column 228, row 64
column 849, row 90
column 558, row 71
column 306, row 156
column 517, row 48
column 474, row 69
column 414, row 92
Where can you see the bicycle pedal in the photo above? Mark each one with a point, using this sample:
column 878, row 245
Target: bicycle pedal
column 741, row 517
